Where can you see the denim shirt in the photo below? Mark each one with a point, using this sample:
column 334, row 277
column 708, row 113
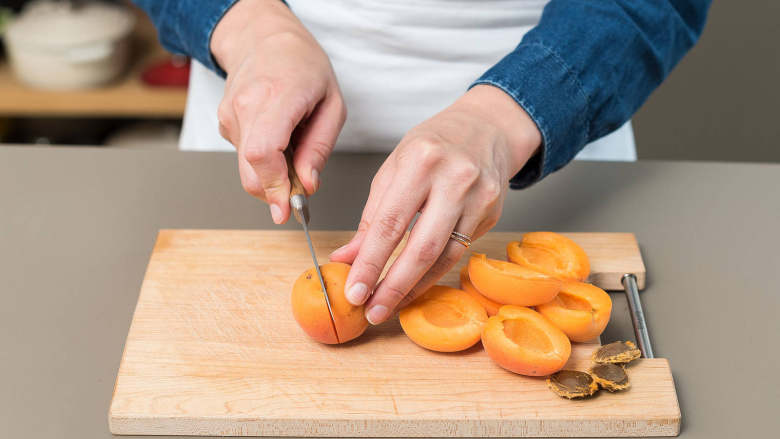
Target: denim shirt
column 580, row 74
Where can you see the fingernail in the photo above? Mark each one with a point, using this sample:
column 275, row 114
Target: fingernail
column 315, row 178
column 276, row 214
column 377, row 314
column 357, row 293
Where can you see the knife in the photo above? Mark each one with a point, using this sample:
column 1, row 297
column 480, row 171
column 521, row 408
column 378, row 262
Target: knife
column 300, row 208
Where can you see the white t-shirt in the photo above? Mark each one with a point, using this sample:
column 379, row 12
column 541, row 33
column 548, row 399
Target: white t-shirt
column 398, row 62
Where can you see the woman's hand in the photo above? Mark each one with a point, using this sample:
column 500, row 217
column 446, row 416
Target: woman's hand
column 280, row 89
column 453, row 168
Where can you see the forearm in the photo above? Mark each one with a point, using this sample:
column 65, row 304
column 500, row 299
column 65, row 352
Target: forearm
column 588, row 66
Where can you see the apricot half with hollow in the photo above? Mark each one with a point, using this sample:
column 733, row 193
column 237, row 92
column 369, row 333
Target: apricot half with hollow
column 610, row 376
column 511, row 284
column 520, row 340
column 311, row 311
column 465, row 284
column 572, row 384
column 580, row 310
column 616, row 352
column 550, row 253
column 444, row 319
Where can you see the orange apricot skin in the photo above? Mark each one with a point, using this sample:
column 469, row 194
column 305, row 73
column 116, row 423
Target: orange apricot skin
column 465, row 284
column 579, row 324
column 438, row 338
column 522, row 359
column 311, row 311
column 511, row 284
column 550, row 253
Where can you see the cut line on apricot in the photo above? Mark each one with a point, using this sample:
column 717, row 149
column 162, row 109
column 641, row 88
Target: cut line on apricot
column 311, row 311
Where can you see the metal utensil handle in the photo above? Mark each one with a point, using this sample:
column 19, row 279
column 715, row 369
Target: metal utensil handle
column 637, row 315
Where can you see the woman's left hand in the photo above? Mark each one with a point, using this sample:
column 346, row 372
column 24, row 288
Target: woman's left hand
column 454, row 169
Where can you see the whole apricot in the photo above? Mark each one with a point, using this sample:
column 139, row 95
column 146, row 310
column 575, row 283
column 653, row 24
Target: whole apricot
column 511, row 284
column 444, row 319
column 550, row 253
column 520, row 340
column 580, row 310
column 465, row 284
column 311, row 311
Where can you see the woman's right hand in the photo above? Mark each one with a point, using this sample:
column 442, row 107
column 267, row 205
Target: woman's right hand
column 279, row 82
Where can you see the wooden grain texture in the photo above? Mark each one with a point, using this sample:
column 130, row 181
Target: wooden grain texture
column 213, row 350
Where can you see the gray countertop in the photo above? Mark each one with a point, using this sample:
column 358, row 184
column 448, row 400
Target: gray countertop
column 77, row 226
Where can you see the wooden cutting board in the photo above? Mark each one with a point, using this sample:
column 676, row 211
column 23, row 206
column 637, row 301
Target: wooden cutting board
column 213, row 350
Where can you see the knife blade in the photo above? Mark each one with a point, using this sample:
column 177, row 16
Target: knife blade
column 300, row 208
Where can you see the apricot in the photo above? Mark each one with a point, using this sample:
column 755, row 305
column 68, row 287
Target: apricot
column 444, row 319
column 465, row 284
column 550, row 253
column 311, row 311
column 522, row 341
column 580, row 310
column 511, row 284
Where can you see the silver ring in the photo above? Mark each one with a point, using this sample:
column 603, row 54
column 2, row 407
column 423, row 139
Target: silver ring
column 461, row 238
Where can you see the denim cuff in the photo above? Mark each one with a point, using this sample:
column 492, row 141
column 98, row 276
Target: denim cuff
column 541, row 82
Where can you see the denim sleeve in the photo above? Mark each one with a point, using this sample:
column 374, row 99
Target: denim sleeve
column 185, row 26
column 588, row 66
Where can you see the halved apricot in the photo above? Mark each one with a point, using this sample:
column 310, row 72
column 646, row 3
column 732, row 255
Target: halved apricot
column 550, row 253
column 311, row 311
column 509, row 283
column 580, row 310
column 444, row 319
column 520, row 340
column 465, row 284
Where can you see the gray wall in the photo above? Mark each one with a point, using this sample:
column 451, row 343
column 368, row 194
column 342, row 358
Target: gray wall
column 722, row 102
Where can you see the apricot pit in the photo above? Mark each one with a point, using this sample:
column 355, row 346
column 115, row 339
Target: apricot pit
column 616, row 352
column 610, row 376
column 572, row 384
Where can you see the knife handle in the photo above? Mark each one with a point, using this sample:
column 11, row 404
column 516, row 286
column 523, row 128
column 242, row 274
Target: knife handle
column 296, row 187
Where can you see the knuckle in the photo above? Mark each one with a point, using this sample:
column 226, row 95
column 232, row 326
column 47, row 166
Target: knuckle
column 427, row 253
column 465, row 171
column 363, row 226
column 490, row 191
column 252, row 186
column 429, row 151
column 394, row 293
column 390, row 226
column 253, row 95
column 255, row 155
column 372, row 267
column 449, row 258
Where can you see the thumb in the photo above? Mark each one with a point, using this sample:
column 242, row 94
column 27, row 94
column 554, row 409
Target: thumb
column 315, row 141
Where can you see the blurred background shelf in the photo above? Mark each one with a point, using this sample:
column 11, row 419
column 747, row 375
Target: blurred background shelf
column 129, row 97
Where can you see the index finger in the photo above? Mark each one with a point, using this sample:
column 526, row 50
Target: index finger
column 394, row 213
column 265, row 134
